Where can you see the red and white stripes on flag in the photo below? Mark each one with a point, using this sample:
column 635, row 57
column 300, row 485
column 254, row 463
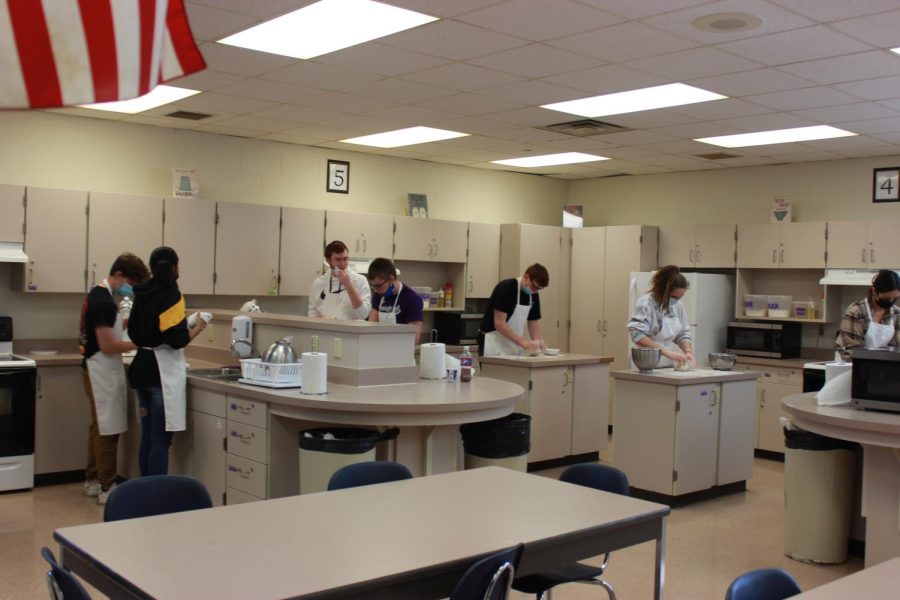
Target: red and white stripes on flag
column 67, row 52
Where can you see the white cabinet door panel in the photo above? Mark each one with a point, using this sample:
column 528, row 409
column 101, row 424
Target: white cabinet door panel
column 802, row 245
column 590, row 408
column 190, row 228
column 696, row 438
column 450, row 241
column 715, row 247
column 12, row 207
column 884, row 245
column 207, row 443
column 413, row 239
column 677, row 245
column 737, row 432
column 247, row 242
column 108, row 238
column 586, row 298
column 302, row 249
column 551, row 414
column 483, row 268
column 847, row 245
column 757, row 246
column 56, row 240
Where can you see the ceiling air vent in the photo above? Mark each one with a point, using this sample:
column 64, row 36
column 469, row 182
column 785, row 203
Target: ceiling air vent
column 717, row 156
column 188, row 115
column 585, row 128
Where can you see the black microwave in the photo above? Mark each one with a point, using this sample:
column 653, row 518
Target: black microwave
column 767, row 340
column 457, row 328
column 876, row 379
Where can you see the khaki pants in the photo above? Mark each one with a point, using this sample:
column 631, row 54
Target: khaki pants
column 102, row 449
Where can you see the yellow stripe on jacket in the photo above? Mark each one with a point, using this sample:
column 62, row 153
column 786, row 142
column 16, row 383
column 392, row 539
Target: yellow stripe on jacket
column 172, row 316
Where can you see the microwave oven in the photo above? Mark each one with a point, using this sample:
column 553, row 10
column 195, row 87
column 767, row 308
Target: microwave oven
column 767, row 340
column 875, row 380
column 457, row 328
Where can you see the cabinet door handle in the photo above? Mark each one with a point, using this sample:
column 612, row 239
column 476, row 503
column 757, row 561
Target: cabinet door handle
column 715, row 397
column 697, row 255
column 762, row 398
column 357, row 244
column 365, row 244
column 863, row 255
column 872, row 255
column 605, row 329
column 599, row 325
column 430, row 250
column 690, row 256
column 471, row 284
column 781, row 257
column 93, row 278
column 774, row 254
column 30, row 277
column 565, row 381
column 436, row 249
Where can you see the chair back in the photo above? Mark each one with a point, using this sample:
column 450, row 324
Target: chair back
column 599, row 477
column 155, row 495
column 490, row 578
column 62, row 584
column 368, row 473
column 763, row 584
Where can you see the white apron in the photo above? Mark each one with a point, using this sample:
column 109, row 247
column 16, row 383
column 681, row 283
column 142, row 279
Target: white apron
column 497, row 344
column 390, row 318
column 670, row 326
column 173, row 376
column 107, row 375
column 878, row 335
column 331, row 305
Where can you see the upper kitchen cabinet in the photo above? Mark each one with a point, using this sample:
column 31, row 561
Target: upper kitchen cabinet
column 430, row 239
column 190, row 228
column 12, row 207
column 483, row 265
column 366, row 235
column 864, row 244
column 56, row 240
column 302, row 249
column 108, row 237
column 781, row 245
column 698, row 246
column 247, row 241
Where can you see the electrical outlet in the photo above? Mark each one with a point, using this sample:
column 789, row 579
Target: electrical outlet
column 336, row 348
column 210, row 333
column 314, row 343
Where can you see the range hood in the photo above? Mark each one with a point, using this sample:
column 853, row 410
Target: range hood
column 12, row 252
column 861, row 277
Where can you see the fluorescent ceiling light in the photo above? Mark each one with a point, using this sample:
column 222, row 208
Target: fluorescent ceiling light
column 546, row 160
column 660, row 96
column 777, row 136
column 161, row 94
column 405, row 137
column 327, row 26
column 895, row 50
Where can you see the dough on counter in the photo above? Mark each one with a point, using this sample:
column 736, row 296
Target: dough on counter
column 685, row 366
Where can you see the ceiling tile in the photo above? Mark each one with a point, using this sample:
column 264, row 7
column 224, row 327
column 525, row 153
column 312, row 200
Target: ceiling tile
column 261, row 124
column 883, row 88
column 381, row 58
column 209, row 23
column 318, row 75
column 298, row 114
column 796, row 153
column 851, row 67
column 453, row 40
column 348, row 103
column 845, row 143
column 847, row 112
column 644, row 8
column 530, row 116
column 688, row 147
column 470, row 104
column 774, row 19
column 805, row 98
column 471, row 125
column 145, row 119
column 770, row 122
column 873, row 126
column 797, row 45
column 414, row 115
column 608, row 79
column 637, row 138
column 442, row 8
column 401, row 91
column 533, row 91
column 699, row 130
column 646, row 119
column 832, row 11
column 463, row 77
column 887, row 150
column 689, row 64
column 270, row 90
column 539, row 20
column 267, row 9
column 207, row 80
column 747, row 83
column 881, row 30
column 535, row 61
column 362, row 125
column 622, row 42
column 720, row 109
column 230, row 59
column 216, row 102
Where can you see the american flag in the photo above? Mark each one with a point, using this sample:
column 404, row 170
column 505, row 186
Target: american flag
column 66, row 52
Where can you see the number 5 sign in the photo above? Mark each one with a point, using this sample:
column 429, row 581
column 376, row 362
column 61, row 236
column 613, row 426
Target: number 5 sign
column 885, row 185
column 338, row 177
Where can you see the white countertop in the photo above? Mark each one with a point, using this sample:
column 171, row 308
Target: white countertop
column 669, row 376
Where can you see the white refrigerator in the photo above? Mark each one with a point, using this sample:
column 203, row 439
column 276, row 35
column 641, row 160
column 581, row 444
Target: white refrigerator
column 709, row 302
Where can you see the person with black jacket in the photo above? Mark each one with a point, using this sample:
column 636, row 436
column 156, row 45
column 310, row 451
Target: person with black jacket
column 158, row 327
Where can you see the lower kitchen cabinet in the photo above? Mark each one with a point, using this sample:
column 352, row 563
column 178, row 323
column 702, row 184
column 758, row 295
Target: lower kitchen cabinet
column 774, row 384
column 206, row 427
column 62, row 419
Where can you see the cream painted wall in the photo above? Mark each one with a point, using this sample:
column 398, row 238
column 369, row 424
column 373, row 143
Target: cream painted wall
column 53, row 150
column 818, row 191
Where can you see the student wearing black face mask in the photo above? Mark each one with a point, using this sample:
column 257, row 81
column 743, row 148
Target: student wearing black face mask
column 873, row 322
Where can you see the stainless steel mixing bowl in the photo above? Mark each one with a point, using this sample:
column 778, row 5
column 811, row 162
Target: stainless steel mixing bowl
column 722, row 361
column 645, row 359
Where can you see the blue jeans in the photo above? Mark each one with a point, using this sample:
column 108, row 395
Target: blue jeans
column 155, row 440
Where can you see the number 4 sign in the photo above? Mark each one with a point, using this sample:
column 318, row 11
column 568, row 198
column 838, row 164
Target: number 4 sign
column 338, row 177
column 885, row 185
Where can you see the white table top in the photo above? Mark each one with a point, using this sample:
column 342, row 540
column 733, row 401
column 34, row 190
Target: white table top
column 875, row 583
column 352, row 540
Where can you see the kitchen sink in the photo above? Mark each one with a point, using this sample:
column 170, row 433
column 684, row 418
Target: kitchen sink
column 218, row 373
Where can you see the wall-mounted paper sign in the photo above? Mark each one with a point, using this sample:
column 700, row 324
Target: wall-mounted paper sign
column 781, row 211
column 573, row 215
column 184, row 183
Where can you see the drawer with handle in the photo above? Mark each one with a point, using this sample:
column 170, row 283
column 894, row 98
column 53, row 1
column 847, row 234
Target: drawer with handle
column 236, row 496
column 247, row 411
column 246, row 475
column 247, row 441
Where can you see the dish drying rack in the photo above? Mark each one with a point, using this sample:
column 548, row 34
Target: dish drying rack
column 275, row 375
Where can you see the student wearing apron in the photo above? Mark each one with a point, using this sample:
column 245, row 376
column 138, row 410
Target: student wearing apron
column 513, row 308
column 874, row 321
column 159, row 329
column 102, row 346
column 660, row 320
column 341, row 293
column 393, row 302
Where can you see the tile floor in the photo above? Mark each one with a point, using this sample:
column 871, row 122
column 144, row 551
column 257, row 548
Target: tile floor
column 709, row 543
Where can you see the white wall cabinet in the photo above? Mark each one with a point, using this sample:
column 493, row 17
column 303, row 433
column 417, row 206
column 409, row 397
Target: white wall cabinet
column 190, row 228
column 698, row 246
column 430, row 240
column 864, row 244
column 12, row 207
column 62, row 418
column 247, row 244
column 56, row 240
column 483, row 266
column 109, row 234
column 781, row 245
column 302, row 250
column 366, row 235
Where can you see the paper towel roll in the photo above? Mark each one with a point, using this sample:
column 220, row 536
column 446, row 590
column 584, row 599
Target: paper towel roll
column 431, row 361
column 315, row 372
column 834, row 369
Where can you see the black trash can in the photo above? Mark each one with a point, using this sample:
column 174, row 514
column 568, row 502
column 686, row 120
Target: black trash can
column 818, row 496
column 324, row 450
column 502, row 442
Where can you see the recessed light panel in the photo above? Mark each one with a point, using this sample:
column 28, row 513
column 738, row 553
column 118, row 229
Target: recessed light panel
column 161, row 94
column 405, row 137
column 895, row 50
column 660, row 96
column 326, row 26
column 547, row 160
column 777, row 136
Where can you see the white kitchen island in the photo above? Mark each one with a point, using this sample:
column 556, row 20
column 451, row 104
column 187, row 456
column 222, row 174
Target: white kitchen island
column 684, row 436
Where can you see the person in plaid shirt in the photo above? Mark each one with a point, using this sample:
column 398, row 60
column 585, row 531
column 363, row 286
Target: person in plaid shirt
column 874, row 321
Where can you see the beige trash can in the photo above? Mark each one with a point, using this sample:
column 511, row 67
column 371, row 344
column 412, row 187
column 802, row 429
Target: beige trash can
column 818, row 496
column 502, row 442
column 325, row 450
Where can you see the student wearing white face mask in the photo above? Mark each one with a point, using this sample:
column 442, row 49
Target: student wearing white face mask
column 660, row 320
column 874, row 321
column 341, row 293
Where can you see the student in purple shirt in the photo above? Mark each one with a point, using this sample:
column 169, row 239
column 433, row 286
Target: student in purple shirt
column 392, row 302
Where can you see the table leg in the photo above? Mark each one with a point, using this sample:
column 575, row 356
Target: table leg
column 660, row 561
